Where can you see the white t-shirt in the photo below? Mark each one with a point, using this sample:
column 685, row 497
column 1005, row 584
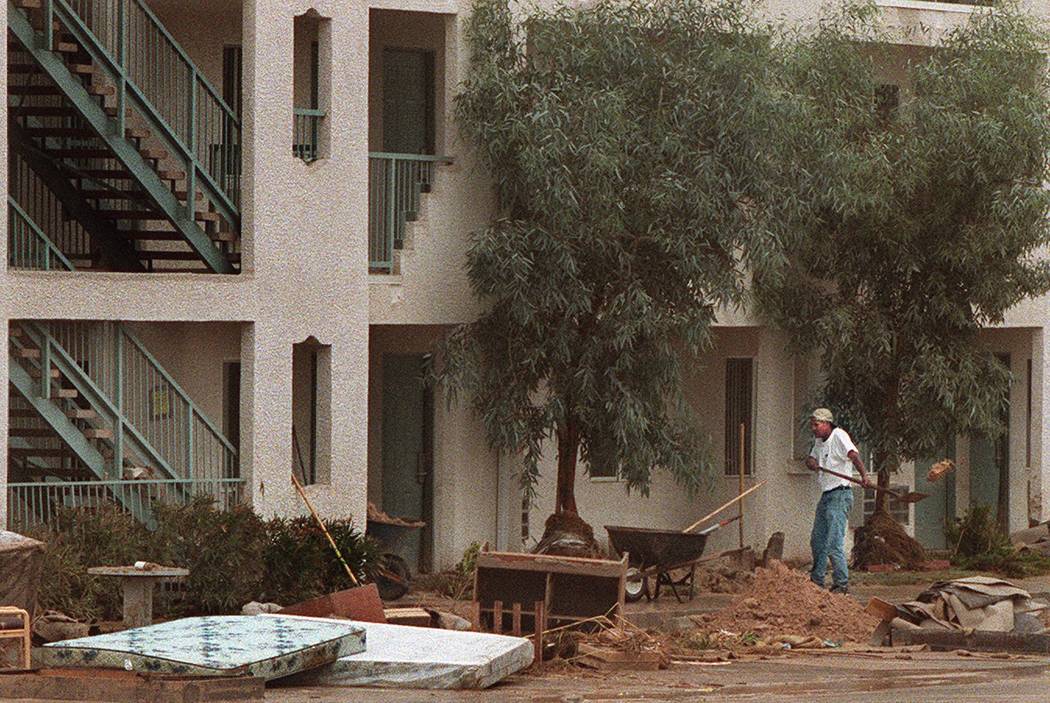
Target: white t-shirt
column 833, row 453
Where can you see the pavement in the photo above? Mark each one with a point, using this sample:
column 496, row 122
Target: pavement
column 924, row 676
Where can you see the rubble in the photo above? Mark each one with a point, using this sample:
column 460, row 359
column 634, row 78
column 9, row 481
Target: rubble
column 976, row 603
column 782, row 601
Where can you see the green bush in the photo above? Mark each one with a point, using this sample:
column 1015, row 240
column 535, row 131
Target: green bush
column 225, row 552
column 233, row 557
column 979, row 545
column 300, row 563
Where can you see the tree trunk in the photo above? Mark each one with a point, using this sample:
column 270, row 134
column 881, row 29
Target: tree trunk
column 568, row 450
column 882, row 463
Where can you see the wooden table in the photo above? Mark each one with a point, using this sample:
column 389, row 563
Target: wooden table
column 137, row 585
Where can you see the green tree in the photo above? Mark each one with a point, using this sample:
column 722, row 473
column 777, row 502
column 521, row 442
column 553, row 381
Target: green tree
column 916, row 225
column 627, row 143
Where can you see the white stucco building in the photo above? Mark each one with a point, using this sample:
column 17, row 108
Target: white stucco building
column 231, row 217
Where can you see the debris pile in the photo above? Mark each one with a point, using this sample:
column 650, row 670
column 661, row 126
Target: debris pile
column 601, row 643
column 974, row 603
column 723, row 578
column 882, row 540
column 782, row 601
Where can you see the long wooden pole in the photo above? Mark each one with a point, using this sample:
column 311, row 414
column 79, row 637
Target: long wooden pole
column 320, row 522
column 742, row 467
column 722, row 507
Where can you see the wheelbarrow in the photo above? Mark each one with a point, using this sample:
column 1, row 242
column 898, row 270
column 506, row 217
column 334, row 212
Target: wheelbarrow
column 654, row 554
column 394, row 575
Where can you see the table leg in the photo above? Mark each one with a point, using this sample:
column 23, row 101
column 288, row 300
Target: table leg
column 138, row 601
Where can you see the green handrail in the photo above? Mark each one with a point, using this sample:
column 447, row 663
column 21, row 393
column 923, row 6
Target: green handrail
column 395, row 185
column 209, row 145
column 20, row 217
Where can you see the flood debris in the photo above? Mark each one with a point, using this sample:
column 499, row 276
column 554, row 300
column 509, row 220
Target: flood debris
column 267, row 646
column 399, row 656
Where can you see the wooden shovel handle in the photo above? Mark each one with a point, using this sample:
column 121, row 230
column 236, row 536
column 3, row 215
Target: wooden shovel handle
column 722, row 507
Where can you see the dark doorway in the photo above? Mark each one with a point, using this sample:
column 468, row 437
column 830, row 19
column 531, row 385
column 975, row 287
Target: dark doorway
column 408, row 101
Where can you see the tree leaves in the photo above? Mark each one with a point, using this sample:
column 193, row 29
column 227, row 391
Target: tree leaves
column 912, row 235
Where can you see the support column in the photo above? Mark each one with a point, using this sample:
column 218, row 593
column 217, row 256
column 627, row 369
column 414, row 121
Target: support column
column 1040, row 429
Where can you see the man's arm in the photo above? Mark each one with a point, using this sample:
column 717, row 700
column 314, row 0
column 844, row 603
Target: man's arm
column 859, row 465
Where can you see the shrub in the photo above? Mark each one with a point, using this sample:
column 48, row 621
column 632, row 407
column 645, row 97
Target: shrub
column 980, row 545
column 224, row 551
column 233, row 557
column 300, row 563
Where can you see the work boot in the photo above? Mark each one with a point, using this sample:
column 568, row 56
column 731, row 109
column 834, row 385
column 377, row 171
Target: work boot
column 844, row 590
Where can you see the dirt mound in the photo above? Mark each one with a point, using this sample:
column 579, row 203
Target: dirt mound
column 782, row 601
column 566, row 534
column 882, row 540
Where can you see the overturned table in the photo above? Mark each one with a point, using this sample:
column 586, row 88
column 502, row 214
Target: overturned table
column 137, row 585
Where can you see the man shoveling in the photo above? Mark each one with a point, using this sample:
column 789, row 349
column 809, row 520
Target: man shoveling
column 834, row 450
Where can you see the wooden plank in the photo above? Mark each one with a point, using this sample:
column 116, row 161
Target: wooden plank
column 552, row 564
column 949, row 640
column 116, row 686
column 516, row 620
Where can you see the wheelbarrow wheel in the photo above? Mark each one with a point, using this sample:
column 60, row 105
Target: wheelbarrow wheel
column 393, row 577
column 635, row 586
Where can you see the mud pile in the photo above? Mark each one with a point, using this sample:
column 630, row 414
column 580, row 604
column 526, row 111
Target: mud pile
column 782, row 601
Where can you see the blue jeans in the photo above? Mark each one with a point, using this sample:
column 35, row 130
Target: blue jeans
column 829, row 536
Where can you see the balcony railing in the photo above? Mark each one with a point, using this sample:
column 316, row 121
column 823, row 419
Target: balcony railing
column 34, row 504
column 395, row 185
column 306, row 130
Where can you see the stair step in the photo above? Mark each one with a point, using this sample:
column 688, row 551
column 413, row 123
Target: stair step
column 81, row 153
column 43, row 451
column 67, row 393
column 102, row 194
column 101, row 90
column 29, row 4
column 155, row 154
column 98, row 433
column 28, row 353
column 30, row 432
column 32, row 90
column 81, row 414
column 46, row 132
column 81, row 69
column 180, row 256
column 35, row 373
column 42, row 111
column 140, row 215
column 167, row 235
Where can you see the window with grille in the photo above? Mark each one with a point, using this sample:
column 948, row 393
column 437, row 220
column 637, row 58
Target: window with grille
column 898, row 510
column 739, row 411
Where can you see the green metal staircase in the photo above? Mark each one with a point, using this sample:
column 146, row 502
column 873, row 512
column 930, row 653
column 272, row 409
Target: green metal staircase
column 93, row 413
column 111, row 114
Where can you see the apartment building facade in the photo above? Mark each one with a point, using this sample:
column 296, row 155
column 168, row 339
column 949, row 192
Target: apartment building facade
column 236, row 232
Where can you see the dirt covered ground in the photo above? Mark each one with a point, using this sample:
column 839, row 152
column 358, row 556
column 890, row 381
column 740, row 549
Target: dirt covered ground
column 826, row 676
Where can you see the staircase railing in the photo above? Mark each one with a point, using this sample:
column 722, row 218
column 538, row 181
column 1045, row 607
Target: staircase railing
column 151, row 413
column 27, row 245
column 395, row 184
column 33, row 504
column 153, row 74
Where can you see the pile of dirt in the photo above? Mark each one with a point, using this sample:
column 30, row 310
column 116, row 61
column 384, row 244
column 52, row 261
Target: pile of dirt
column 882, row 540
column 567, row 535
column 723, row 578
column 785, row 602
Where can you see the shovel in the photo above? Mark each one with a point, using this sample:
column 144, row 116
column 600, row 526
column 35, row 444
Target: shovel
column 909, row 497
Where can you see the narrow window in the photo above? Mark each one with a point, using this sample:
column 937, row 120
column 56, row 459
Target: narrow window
column 311, row 411
column 739, row 412
column 311, row 61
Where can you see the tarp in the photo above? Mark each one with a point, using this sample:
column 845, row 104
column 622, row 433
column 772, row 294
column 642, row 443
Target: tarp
column 21, row 562
column 226, row 645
